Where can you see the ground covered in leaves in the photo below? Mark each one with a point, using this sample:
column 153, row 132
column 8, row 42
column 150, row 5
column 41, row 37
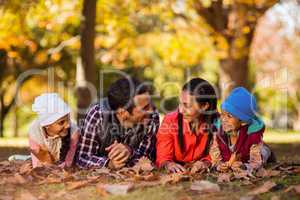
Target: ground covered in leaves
column 280, row 181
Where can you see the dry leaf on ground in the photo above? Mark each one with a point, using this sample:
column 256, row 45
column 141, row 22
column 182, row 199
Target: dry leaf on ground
column 143, row 164
column 77, row 184
column 115, row 189
column 224, row 178
column 26, row 195
column 267, row 186
column 205, row 187
column 173, row 178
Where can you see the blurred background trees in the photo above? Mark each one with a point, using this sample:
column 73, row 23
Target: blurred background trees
column 68, row 46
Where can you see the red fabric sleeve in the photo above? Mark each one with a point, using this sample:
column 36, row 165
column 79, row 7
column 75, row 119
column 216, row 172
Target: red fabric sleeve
column 165, row 143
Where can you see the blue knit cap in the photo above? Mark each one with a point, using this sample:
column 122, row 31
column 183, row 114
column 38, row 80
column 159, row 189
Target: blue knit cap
column 241, row 104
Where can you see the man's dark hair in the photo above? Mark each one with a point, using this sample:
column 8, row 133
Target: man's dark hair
column 121, row 93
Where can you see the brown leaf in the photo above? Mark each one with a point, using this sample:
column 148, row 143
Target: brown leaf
column 144, row 164
column 205, row 187
column 43, row 196
column 248, row 198
column 6, row 197
column 173, row 178
column 275, row 198
column 267, row 186
column 20, row 179
column 50, row 180
column 115, row 189
column 77, row 184
column 4, row 163
column 224, row 178
column 26, row 195
column 26, row 168
column 243, row 174
column 147, row 177
column 267, row 173
column 296, row 188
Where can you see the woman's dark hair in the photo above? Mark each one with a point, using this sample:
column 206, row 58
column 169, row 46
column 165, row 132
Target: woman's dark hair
column 204, row 93
column 121, row 93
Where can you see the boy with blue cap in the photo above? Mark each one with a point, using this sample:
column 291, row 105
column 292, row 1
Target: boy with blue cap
column 238, row 143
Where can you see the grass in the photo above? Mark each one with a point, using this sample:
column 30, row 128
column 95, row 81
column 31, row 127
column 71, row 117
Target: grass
column 286, row 146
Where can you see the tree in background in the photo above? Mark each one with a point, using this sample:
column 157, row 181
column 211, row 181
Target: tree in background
column 86, row 69
column 35, row 35
column 232, row 25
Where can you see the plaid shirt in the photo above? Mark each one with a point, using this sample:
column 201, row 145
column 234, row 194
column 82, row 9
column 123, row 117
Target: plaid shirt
column 90, row 142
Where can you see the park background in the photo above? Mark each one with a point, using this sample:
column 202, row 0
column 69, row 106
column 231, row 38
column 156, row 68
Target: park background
column 77, row 48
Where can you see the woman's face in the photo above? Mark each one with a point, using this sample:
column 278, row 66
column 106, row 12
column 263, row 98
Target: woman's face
column 189, row 107
column 229, row 122
column 59, row 128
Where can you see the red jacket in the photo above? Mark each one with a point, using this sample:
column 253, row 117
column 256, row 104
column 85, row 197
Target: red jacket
column 167, row 146
column 244, row 142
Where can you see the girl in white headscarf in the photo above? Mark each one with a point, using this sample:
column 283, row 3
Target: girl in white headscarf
column 52, row 137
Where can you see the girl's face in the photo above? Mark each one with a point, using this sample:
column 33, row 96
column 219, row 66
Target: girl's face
column 189, row 107
column 229, row 122
column 59, row 128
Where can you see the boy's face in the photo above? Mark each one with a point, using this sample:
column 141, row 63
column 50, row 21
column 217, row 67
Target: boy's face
column 140, row 112
column 229, row 122
column 59, row 128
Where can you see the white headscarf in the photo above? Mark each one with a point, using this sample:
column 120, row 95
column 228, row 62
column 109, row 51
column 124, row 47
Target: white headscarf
column 49, row 108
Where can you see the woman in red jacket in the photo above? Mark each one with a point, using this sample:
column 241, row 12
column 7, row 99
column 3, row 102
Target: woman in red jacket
column 184, row 135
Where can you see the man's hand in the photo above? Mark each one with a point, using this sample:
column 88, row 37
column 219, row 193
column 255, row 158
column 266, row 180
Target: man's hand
column 174, row 167
column 118, row 155
column 199, row 165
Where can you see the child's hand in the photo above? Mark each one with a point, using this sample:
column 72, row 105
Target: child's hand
column 174, row 167
column 199, row 165
column 43, row 156
column 223, row 167
column 65, row 164
column 237, row 166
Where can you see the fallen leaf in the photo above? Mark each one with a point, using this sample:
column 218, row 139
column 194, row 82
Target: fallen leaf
column 246, row 182
column 115, row 189
column 248, row 198
column 143, row 164
column 5, row 163
column 296, row 188
column 224, row 178
column 60, row 194
column 243, row 174
column 77, row 184
column 267, row 173
column 275, row 198
column 173, row 178
column 147, row 177
column 26, row 168
column 205, row 187
column 50, row 180
column 262, row 189
column 6, row 197
column 26, row 195
column 43, row 196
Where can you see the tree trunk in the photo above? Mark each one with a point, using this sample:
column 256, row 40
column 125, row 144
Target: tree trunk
column 1, row 117
column 234, row 73
column 15, row 121
column 235, row 23
column 86, row 69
